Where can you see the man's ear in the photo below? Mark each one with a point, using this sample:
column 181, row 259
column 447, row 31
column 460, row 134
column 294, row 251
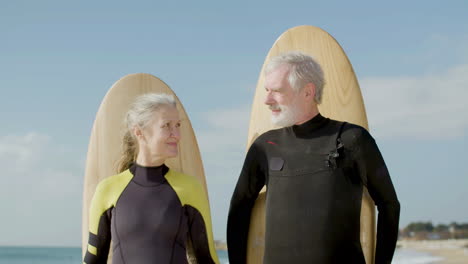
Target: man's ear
column 309, row 91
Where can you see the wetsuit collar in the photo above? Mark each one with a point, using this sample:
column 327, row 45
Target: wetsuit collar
column 313, row 124
column 148, row 176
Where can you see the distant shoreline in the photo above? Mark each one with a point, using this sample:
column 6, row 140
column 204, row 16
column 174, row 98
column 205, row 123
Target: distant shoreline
column 452, row 251
column 220, row 245
column 40, row 246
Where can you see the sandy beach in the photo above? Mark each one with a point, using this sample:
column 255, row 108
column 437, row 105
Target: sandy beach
column 451, row 251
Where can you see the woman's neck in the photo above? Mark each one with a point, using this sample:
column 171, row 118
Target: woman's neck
column 147, row 161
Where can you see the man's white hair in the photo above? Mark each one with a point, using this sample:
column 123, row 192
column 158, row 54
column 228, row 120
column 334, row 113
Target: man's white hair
column 303, row 69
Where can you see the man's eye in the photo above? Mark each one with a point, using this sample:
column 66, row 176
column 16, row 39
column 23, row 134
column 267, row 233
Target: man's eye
column 178, row 125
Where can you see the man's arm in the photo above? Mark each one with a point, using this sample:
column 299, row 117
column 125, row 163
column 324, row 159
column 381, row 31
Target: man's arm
column 375, row 176
column 251, row 181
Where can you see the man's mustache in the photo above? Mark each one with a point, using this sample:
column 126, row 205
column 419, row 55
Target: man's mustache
column 274, row 107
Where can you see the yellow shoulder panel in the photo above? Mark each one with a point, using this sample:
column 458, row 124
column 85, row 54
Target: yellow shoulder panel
column 191, row 192
column 106, row 195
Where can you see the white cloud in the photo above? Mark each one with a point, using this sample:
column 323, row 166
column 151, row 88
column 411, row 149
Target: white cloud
column 226, row 129
column 18, row 151
column 41, row 190
column 431, row 106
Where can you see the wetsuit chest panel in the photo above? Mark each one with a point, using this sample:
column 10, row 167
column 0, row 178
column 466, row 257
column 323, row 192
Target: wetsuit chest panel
column 150, row 213
column 308, row 201
column 148, row 223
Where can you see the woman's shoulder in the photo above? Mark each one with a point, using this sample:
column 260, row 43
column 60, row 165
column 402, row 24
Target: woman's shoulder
column 108, row 191
column 183, row 179
column 189, row 188
column 114, row 183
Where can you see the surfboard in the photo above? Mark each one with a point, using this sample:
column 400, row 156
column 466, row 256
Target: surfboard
column 105, row 141
column 342, row 100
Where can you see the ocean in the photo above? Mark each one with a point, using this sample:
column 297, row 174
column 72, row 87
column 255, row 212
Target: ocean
column 39, row 255
column 55, row 255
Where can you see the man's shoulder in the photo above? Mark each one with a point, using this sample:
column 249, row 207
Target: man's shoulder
column 268, row 136
column 352, row 134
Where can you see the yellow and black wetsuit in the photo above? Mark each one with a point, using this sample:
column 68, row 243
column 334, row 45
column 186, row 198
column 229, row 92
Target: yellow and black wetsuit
column 151, row 214
column 314, row 173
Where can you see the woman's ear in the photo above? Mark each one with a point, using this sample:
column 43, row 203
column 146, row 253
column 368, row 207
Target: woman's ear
column 137, row 132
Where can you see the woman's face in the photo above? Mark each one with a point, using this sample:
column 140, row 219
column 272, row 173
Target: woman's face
column 159, row 140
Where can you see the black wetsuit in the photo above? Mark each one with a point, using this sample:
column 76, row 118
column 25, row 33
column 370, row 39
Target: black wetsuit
column 151, row 214
column 314, row 173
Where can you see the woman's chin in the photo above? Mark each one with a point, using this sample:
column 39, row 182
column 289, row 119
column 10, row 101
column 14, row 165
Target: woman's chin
column 173, row 154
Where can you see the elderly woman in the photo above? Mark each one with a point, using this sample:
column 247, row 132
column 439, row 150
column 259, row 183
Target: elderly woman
column 151, row 213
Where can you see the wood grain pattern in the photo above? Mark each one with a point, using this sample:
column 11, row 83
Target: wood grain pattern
column 105, row 141
column 342, row 100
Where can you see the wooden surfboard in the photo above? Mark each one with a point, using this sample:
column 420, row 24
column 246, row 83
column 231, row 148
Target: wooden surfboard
column 342, row 100
column 106, row 136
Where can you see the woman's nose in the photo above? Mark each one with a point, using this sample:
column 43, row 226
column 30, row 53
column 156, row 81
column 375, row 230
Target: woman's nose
column 175, row 132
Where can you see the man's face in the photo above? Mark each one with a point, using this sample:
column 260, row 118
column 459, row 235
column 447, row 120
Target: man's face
column 281, row 98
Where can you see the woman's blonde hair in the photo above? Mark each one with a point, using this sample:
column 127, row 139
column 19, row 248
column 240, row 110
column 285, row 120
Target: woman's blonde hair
column 141, row 112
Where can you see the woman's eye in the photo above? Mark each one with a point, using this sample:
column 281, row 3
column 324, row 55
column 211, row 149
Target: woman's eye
column 178, row 125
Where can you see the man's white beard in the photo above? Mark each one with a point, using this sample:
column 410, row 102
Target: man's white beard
column 286, row 117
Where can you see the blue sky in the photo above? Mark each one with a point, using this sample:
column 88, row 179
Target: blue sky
column 59, row 58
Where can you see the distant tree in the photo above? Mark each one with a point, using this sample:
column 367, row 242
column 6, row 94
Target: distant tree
column 459, row 226
column 429, row 227
column 454, row 224
column 419, row 227
column 441, row 228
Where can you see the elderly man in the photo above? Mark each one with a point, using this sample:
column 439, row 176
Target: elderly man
column 314, row 169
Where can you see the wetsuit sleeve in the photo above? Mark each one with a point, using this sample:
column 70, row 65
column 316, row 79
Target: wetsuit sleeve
column 194, row 198
column 249, row 184
column 98, row 242
column 198, row 236
column 376, row 178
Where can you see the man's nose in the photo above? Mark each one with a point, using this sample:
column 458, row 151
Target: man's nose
column 269, row 99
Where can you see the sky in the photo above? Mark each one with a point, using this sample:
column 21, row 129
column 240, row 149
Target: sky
column 59, row 58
